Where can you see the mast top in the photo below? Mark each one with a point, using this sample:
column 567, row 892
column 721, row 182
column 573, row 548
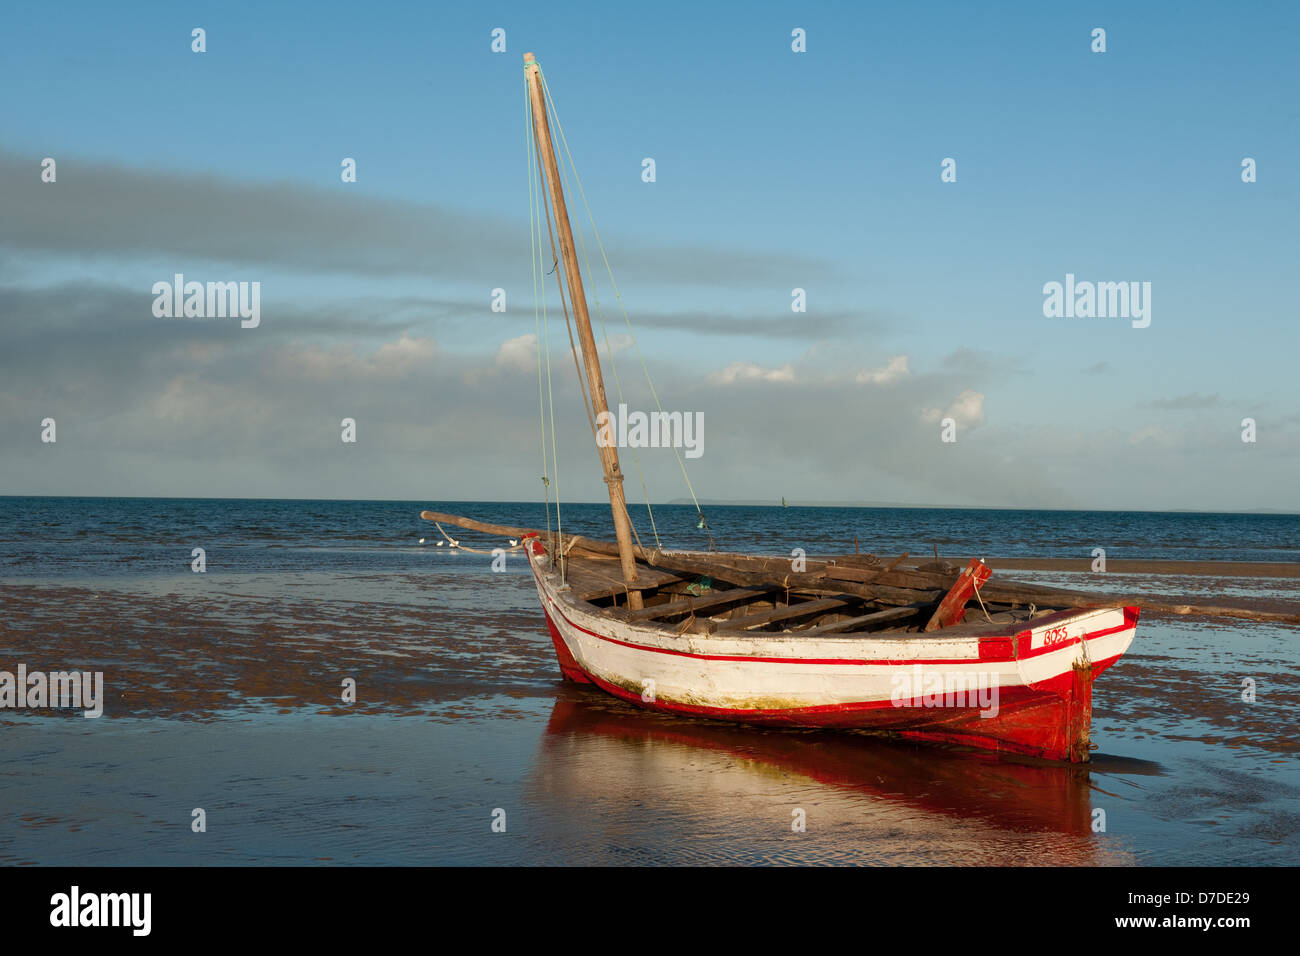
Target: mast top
column 528, row 58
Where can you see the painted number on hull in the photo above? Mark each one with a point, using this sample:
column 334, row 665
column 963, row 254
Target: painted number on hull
column 1052, row 636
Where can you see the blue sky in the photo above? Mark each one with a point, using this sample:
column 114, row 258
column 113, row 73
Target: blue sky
column 817, row 170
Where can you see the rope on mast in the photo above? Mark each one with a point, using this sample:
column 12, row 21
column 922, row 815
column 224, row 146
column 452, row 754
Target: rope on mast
column 537, row 317
column 584, row 387
column 539, row 295
column 622, row 307
column 609, row 348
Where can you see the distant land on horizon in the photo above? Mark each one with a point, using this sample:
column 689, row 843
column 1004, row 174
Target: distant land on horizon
column 767, row 503
column 704, row 502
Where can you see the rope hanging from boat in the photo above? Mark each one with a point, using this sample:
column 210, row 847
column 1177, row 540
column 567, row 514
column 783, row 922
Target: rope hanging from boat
column 464, row 547
column 1015, row 652
column 976, row 582
column 703, row 524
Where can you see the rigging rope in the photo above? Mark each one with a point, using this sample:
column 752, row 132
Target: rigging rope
column 622, row 307
column 583, row 385
column 464, row 547
column 613, row 364
column 535, row 233
column 975, row 580
column 537, row 318
column 588, row 403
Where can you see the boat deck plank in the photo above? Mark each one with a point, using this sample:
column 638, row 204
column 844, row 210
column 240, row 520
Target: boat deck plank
column 787, row 612
column 592, row 580
column 691, row 605
column 877, row 617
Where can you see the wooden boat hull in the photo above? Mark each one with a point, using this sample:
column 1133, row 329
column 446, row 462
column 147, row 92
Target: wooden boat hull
column 1020, row 689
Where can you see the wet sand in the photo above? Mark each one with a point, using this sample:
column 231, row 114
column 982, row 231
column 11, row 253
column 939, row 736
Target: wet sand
column 1223, row 570
column 1271, row 588
column 190, row 656
column 197, row 654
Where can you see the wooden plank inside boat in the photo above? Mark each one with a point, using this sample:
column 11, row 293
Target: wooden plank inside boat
column 592, row 580
column 891, row 615
column 691, row 605
column 787, row 612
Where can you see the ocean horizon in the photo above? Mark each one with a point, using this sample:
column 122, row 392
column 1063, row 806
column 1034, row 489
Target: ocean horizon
column 65, row 538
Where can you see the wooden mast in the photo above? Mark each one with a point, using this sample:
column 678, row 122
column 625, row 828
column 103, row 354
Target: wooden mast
column 590, row 357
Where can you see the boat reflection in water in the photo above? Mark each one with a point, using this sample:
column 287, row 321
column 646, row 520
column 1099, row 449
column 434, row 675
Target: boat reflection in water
column 632, row 786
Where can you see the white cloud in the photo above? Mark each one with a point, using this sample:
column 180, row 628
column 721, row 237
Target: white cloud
column 967, row 410
column 1154, row 435
column 749, row 372
column 895, row 369
column 617, row 343
column 519, row 353
column 404, row 355
column 391, row 360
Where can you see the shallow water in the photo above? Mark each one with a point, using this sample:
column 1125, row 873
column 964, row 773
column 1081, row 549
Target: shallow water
column 223, row 693
column 74, row 538
column 582, row 778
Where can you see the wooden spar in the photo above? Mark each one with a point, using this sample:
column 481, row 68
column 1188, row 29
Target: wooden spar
column 952, row 608
column 590, row 357
column 888, row 586
column 699, row 564
column 505, row 530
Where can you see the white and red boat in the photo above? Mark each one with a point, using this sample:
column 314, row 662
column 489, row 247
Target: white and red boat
column 1020, row 681
column 934, row 652
column 846, row 642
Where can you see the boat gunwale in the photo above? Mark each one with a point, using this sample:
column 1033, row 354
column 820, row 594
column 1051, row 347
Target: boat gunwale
column 967, row 636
